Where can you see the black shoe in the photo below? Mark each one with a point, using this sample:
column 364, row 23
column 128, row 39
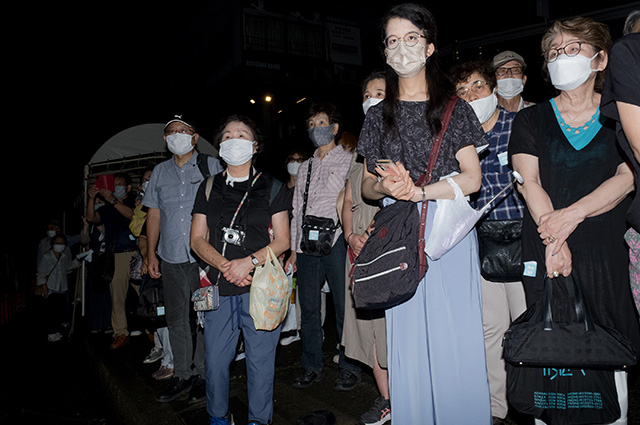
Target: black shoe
column 178, row 387
column 198, row 390
column 346, row 380
column 306, row 378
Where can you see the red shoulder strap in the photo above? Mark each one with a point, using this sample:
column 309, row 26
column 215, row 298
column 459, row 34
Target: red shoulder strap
column 426, row 178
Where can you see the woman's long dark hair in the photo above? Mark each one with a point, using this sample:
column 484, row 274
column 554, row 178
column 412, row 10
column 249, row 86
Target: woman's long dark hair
column 438, row 86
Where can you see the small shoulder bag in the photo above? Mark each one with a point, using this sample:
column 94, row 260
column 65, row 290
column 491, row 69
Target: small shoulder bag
column 317, row 232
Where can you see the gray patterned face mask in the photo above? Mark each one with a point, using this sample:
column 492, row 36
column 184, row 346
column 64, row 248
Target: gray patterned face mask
column 321, row 136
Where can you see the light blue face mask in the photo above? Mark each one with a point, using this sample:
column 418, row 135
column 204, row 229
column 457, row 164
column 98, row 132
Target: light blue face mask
column 321, row 136
column 120, row 192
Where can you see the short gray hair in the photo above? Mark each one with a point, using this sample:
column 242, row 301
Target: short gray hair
column 631, row 22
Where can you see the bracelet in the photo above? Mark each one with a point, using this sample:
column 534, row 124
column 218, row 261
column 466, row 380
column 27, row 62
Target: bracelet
column 424, row 195
column 347, row 238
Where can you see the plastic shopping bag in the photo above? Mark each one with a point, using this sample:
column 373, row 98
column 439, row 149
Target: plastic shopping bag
column 290, row 321
column 454, row 219
column 269, row 295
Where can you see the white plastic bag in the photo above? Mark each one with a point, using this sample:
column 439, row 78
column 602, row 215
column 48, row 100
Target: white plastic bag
column 290, row 321
column 269, row 295
column 454, row 219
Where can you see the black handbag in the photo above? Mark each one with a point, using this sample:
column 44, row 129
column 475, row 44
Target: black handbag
column 563, row 372
column 500, row 247
column 317, row 232
column 392, row 261
column 534, row 339
column 150, row 305
column 104, row 267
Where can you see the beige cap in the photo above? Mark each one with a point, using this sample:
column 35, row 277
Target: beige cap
column 506, row 56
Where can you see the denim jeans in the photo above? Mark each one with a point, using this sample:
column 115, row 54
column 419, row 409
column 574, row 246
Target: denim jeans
column 312, row 272
column 179, row 282
column 222, row 329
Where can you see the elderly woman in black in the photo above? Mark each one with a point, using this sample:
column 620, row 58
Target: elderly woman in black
column 230, row 231
column 576, row 183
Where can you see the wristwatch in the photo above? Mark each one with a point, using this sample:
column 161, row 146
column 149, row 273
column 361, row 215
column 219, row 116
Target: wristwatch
column 254, row 260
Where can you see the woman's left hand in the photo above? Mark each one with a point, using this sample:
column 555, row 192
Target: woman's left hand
column 555, row 227
column 558, row 262
column 238, row 271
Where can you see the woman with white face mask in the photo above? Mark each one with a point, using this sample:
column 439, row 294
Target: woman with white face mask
column 502, row 297
column 576, row 184
column 430, row 375
column 234, row 221
column 294, row 159
column 53, row 283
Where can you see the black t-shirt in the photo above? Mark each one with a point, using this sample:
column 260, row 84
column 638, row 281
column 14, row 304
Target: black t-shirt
column 116, row 226
column 253, row 218
column 623, row 84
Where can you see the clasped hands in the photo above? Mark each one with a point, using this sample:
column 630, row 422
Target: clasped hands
column 395, row 181
column 554, row 228
column 238, row 271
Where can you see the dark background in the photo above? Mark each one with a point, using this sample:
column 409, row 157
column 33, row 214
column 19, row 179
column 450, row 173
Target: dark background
column 79, row 73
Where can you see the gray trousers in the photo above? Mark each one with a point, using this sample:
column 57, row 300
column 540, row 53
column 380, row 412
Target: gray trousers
column 187, row 344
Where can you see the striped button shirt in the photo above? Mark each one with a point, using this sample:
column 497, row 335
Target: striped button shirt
column 328, row 176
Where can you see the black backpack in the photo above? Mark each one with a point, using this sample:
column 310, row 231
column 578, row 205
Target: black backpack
column 387, row 271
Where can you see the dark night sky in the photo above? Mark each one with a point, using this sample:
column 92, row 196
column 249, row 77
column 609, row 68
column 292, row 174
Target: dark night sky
column 81, row 74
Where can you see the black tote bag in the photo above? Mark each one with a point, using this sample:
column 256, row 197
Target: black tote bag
column 534, row 339
column 563, row 372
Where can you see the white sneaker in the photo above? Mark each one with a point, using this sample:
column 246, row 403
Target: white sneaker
column 54, row 337
column 288, row 340
column 154, row 355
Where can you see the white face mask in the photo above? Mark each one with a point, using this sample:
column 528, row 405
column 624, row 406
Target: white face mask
column 236, row 151
column 369, row 103
column 51, row 233
column 59, row 247
column 485, row 107
column 406, row 61
column 179, row 143
column 509, row 88
column 569, row 72
column 293, row 167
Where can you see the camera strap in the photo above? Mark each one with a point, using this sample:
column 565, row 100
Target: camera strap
column 235, row 214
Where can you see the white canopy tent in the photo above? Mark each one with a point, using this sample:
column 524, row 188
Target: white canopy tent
column 130, row 151
column 134, row 149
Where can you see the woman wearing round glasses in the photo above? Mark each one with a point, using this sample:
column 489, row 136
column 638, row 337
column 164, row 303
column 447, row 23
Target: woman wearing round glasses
column 576, row 183
column 435, row 341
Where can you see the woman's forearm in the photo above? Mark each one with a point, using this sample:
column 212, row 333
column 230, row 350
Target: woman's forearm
column 606, row 196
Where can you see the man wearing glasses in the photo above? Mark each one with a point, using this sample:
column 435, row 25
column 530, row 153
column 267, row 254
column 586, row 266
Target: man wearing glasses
column 170, row 197
column 509, row 67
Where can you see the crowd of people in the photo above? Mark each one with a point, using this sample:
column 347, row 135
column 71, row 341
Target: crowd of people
column 437, row 357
